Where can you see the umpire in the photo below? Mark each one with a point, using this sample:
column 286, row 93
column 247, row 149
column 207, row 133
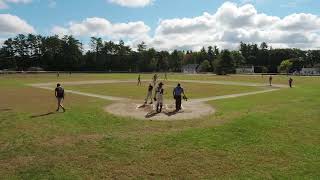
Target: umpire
column 177, row 92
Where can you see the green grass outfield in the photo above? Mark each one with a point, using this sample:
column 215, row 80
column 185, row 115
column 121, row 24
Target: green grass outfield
column 274, row 135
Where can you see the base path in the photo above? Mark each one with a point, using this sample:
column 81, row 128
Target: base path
column 192, row 109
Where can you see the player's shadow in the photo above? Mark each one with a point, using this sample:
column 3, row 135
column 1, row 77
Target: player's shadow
column 172, row 113
column 151, row 114
column 42, row 115
column 5, row 109
column 142, row 106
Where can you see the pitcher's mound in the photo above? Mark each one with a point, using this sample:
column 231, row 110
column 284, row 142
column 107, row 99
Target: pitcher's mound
column 190, row 110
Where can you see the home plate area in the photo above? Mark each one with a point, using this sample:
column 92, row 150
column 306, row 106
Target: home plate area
column 189, row 110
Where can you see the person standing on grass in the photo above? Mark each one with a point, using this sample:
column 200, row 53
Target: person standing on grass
column 139, row 80
column 149, row 95
column 159, row 97
column 154, row 79
column 290, row 82
column 270, row 80
column 165, row 76
column 59, row 93
column 177, row 95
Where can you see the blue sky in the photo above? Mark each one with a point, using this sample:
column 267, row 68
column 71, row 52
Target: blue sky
column 44, row 15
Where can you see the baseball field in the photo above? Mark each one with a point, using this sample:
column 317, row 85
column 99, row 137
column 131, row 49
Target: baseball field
column 231, row 127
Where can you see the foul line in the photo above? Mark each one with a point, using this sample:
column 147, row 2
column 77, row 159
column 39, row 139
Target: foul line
column 113, row 98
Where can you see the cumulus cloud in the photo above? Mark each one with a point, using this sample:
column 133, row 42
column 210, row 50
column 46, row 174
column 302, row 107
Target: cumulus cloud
column 132, row 3
column 10, row 25
column 4, row 3
column 1, row 42
column 233, row 23
column 229, row 25
column 102, row 27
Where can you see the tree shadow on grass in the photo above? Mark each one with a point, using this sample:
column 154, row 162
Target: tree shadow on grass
column 42, row 115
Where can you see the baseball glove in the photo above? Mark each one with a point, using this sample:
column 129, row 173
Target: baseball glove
column 185, row 98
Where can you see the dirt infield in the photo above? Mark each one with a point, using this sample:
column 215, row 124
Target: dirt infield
column 193, row 109
column 190, row 110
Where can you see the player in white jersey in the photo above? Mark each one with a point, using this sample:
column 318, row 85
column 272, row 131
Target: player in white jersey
column 159, row 97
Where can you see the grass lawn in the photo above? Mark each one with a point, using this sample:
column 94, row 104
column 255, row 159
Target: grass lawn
column 265, row 136
column 132, row 91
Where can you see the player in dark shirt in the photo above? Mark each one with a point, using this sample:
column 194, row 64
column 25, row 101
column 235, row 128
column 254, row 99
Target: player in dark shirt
column 177, row 94
column 139, row 80
column 59, row 93
column 149, row 95
column 270, row 80
column 290, row 82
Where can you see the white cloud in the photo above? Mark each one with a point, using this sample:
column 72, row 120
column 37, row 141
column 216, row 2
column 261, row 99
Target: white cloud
column 1, row 42
column 132, row 3
column 226, row 28
column 102, row 27
column 233, row 23
column 10, row 25
column 4, row 3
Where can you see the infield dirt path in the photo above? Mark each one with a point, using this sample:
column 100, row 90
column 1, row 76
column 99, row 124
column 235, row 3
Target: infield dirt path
column 192, row 109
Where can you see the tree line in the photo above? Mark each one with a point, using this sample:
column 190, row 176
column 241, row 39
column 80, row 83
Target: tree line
column 53, row 53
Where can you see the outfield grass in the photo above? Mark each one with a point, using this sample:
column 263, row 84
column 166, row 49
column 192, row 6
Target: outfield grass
column 35, row 78
column 273, row 135
column 132, row 91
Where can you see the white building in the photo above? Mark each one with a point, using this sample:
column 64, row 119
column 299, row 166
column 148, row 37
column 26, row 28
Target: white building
column 245, row 70
column 310, row 71
column 190, row 68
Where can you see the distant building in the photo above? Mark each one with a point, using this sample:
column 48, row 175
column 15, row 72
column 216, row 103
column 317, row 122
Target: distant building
column 35, row 69
column 245, row 70
column 310, row 71
column 190, row 68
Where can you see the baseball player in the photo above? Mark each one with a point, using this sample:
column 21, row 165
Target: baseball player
column 159, row 97
column 59, row 93
column 149, row 95
column 270, row 80
column 139, row 80
column 154, row 79
column 177, row 94
column 290, row 82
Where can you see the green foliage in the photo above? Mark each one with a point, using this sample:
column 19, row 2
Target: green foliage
column 67, row 54
column 205, row 66
column 285, row 66
column 238, row 58
column 224, row 64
